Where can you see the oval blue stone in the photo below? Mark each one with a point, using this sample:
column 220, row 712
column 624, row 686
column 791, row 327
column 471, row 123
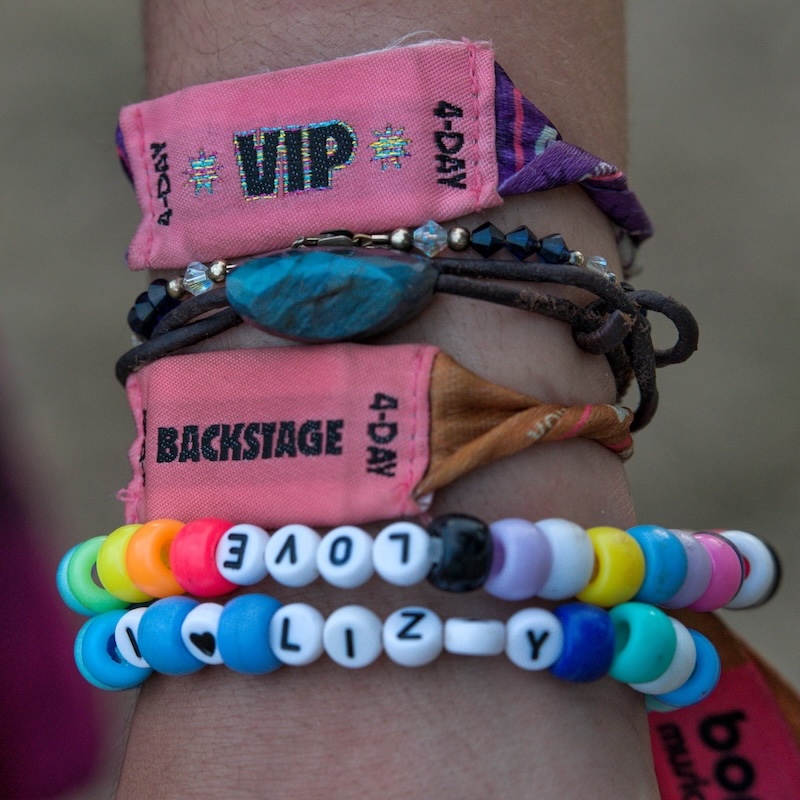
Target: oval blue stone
column 332, row 294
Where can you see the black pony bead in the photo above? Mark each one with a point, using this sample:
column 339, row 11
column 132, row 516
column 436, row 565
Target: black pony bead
column 466, row 553
column 521, row 243
column 486, row 239
column 553, row 250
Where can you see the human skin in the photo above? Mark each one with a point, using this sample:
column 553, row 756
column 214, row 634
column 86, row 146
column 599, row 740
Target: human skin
column 465, row 728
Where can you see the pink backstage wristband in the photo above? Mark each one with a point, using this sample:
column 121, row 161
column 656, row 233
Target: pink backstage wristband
column 333, row 434
column 370, row 142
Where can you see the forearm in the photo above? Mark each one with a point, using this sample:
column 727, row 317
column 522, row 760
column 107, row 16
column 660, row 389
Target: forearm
column 460, row 727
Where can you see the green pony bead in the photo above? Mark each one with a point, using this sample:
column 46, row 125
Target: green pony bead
column 83, row 585
column 645, row 642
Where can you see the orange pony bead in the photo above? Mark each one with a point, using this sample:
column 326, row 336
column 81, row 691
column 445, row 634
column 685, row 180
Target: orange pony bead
column 147, row 558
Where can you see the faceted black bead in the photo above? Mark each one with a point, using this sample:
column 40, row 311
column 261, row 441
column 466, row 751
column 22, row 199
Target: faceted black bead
column 159, row 297
column 466, row 556
column 487, row 239
column 142, row 318
column 553, row 250
column 521, row 243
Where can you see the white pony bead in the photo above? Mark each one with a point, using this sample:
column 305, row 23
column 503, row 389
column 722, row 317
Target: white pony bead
column 291, row 555
column 679, row 669
column 573, row 558
column 344, row 557
column 126, row 635
column 534, row 638
column 295, row 634
column 762, row 570
column 474, row 637
column 352, row 636
column 240, row 554
column 401, row 553
column 199, row 632
column 413, row 636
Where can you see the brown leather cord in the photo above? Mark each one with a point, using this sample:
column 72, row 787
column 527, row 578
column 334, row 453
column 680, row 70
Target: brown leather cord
column 614, row 325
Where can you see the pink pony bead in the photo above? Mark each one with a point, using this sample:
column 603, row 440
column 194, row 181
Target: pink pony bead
column 727, row 572
column 192, row 557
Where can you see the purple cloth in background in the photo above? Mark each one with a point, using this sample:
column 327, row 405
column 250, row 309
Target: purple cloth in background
column 49, row 730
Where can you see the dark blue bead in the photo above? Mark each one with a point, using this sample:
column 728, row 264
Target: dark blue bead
column 331, row 294
column 466, row 553
column 487, row 239
column 521, row 243
column 553, row 250
column 588, row 648
column 142, row 317
column 159, row 297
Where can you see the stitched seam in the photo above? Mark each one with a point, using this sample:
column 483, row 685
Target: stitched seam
column 134, row 492
column 408, row 502
column 149, row 236
column 477, row 191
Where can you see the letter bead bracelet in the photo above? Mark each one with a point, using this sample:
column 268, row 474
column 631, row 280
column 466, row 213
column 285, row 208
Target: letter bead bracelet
column 512, row 559
column 255, row 634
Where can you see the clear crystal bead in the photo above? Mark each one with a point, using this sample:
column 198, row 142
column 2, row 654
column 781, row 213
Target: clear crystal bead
column 195, row 279
column 430, row 238
column 597, row 263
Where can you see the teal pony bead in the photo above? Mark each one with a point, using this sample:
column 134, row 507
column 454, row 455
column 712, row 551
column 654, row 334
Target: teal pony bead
column 644, row 642
column 331, row 294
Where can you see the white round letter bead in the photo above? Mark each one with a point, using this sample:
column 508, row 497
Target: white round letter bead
column 413, row 636
column 763, row 570
column 295, row 634
column 534, row 638
column 291, row 555
column 344, row 557
column 573, row 558
column 352, row 636
column 240, row 554
column 679, row 669
column 474, row 637
column 126, row 635
column 199, row 632
column 401, row 553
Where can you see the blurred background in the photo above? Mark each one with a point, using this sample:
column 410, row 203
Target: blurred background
column 715, row 157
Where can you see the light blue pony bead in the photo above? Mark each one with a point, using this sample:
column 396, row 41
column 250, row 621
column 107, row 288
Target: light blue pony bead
column 702, row 680
column 99, row 660
column 243, row 634
column 64, row 590
column 665, row 561
column 160, row 641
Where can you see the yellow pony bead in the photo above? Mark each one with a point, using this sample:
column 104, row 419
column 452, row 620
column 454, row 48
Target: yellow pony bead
column 619, row 568
column 111, row 568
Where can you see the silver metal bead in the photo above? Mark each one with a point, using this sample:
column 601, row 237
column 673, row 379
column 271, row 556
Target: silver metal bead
column 458, row 238
column 576, row 258
column 401, row 239
column 217, row 271
column 175, row 288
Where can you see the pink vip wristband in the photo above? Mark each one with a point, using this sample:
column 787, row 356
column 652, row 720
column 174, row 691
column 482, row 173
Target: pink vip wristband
column 370, row 142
